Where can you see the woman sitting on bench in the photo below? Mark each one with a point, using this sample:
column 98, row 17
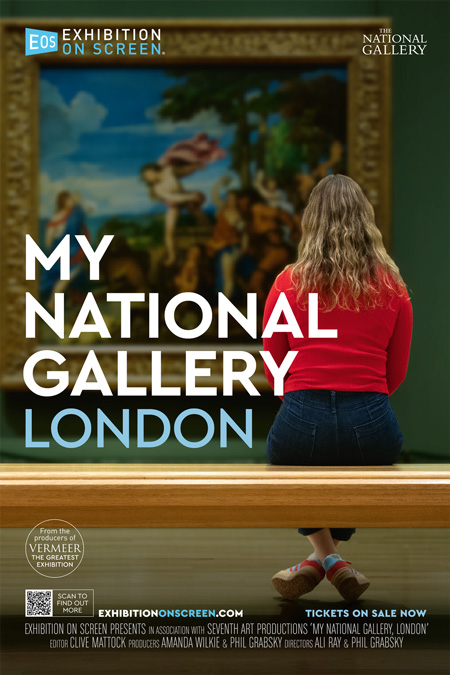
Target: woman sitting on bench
column 336, row 409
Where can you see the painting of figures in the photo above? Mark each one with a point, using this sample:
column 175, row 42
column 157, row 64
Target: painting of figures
column 200, row 173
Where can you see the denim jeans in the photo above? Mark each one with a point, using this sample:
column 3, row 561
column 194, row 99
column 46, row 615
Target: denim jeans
column 318, row 427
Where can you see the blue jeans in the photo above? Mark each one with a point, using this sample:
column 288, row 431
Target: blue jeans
column 318, row 427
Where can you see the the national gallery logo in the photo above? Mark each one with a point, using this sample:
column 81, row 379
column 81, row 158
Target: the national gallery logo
column 387, row 43
column 94, row 41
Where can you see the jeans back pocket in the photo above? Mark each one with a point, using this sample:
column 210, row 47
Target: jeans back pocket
column 292, row 438
column 380, row 440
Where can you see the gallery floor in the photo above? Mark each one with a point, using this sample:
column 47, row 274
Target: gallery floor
column 231, row 568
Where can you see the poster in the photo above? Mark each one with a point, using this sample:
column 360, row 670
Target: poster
column 207, row 382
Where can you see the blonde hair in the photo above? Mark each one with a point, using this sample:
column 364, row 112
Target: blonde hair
column 341, row 255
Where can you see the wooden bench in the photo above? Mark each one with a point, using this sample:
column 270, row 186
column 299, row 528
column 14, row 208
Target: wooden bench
column 225, row 495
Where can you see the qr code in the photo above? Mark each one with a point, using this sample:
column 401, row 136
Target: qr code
column 39, row 603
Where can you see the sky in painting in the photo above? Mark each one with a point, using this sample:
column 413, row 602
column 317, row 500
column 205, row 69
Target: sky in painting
column 98, row 126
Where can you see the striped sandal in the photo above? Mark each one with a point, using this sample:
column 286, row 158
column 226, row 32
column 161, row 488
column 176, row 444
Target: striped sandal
column 298, row 580
column 347, row 581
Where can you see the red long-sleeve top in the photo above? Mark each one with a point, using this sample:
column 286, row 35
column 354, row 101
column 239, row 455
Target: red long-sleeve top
column 370, row 353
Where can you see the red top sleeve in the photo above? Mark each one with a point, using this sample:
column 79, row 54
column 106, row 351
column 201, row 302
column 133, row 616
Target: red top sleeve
column 278, row 344
column 399, row 346
column 371, row 355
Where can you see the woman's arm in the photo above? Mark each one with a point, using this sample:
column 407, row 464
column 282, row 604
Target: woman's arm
column 258, row 184
column 277, row 344
column 187, row 169
column 399, row 346
column 215, row 192
column 175, row 197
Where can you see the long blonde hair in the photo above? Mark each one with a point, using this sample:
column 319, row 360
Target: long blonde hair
column 341, row 255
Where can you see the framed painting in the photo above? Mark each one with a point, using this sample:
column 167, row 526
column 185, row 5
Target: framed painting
column 199, row 160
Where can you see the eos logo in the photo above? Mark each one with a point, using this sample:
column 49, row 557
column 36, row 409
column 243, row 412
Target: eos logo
column 40, row 41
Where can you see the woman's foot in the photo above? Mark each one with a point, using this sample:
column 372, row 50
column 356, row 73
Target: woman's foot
column 298, row 580
column 348, row 581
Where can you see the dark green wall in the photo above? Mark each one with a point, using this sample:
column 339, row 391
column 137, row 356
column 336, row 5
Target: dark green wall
column 421, row 218
column 420, row 191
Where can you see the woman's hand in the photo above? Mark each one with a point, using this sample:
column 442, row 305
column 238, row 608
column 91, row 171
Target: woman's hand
column 196, row 197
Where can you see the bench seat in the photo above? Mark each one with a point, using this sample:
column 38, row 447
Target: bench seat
column 225, row 495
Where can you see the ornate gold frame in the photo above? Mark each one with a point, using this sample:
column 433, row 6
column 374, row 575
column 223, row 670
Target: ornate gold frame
column 193, row 41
